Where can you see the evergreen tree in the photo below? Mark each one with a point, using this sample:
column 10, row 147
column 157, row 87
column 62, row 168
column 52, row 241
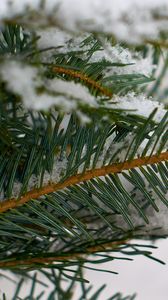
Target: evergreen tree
column 83, row 140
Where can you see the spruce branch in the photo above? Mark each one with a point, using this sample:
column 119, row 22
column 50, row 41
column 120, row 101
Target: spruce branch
column 52, row 258
column 97, row 186
column 76, row 179
column 84, row 78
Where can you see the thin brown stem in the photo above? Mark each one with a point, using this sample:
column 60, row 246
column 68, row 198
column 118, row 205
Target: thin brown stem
column 76, row 179
column 83, row 77
column 66, row 257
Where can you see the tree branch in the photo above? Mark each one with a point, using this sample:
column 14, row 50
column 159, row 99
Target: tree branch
column 83, row 77
column 62, row 258
column 76, row 179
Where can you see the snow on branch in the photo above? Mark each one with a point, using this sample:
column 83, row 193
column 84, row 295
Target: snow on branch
column 38, row 94
column 130, row 20
column 139, row 105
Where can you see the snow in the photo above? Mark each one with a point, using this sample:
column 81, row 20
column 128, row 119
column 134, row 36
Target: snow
column 21, row 79
column 63, row 42
column 73, row 90
column 139, row 104
column 53, row 37
column 16, row 189
column 130, row 20
column 59, row 168
column 39, row 93
column 66, row 95
column 134, row 62
column 12, row 8
column 158, row 221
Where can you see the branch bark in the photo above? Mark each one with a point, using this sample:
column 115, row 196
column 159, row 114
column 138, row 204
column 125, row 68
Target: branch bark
column 83, row 77
column 61, row 258
column 76, row 179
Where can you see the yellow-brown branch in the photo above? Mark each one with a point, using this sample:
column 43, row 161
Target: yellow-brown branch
column 67, row 257
column 76, row 179
column 83, row 77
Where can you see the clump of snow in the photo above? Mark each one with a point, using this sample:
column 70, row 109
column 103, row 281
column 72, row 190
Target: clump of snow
column 63, row 41
column 72, row 90
column 138, row 104
column 26, row 81
column 16, row 189
column 53, row 40
column 33, row 182
column 134, row 62
column 53, row 37
column 58, row 171
column 21, row 79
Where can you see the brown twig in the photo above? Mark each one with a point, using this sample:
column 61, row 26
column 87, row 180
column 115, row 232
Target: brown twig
column 76, row 179
column 83, row 77
column 66, row 257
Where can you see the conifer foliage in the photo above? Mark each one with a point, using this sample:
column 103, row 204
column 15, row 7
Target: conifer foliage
column 83, row 139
